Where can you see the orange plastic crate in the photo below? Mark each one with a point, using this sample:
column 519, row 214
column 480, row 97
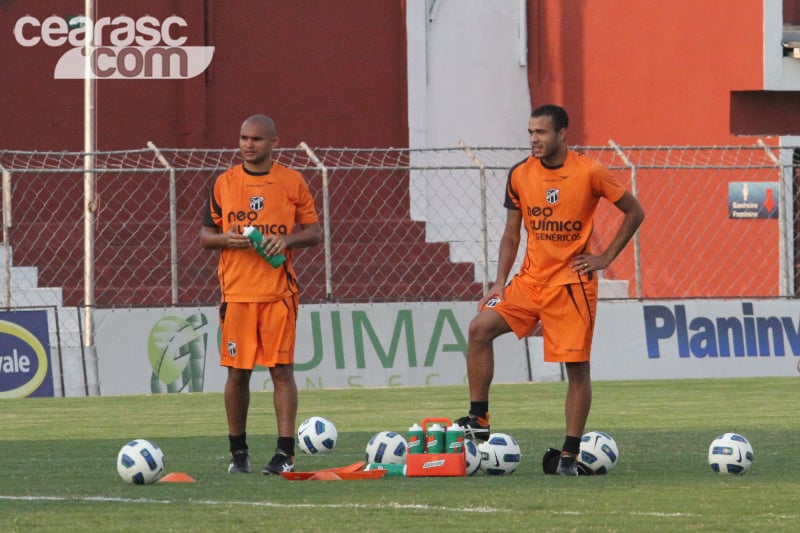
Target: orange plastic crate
column 436, row 464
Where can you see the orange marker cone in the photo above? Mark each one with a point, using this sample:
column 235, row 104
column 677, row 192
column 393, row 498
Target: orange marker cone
column 177, row 477
column 325, row 476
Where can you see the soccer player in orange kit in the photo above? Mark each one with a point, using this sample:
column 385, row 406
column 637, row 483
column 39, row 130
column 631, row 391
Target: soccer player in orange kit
column 554, row 193
column 258, row 312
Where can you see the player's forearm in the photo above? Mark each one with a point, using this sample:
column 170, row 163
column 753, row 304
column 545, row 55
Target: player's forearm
column 507, row 255
column 630, row 223
column 211, row 239
column 304, row 238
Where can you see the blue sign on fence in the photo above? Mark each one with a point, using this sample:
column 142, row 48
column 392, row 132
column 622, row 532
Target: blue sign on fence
column 24, row 354
column 753, row 199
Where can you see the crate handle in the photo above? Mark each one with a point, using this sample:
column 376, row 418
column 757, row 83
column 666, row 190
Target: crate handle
column 434, row 420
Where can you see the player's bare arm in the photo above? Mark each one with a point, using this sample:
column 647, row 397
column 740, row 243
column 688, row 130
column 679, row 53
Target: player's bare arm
column 634, row 215
column 509, row 244
column 308, row 235
column 214, row 239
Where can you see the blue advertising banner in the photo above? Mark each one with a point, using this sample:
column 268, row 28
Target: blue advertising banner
column 24, row 355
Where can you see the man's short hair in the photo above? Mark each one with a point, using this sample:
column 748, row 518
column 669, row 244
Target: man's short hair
column 556, row 113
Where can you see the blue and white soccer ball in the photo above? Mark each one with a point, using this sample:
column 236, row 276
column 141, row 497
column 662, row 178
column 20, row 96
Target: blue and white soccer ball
column 316, row 435
column 599, row 452
column 387, row 447
column 140, row 462
column 500, row 454
column 730, row 453
column 472, row 455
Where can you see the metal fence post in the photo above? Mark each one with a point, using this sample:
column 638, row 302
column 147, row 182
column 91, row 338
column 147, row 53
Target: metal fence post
column 173, row 221
column 326, row 219
column 784, row 238
column 484, row 215
column 637, row 265
column 6, row 245
column 90, row 214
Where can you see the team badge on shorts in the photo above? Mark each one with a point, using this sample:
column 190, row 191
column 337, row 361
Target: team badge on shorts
column 231, row 348
column 491, row 302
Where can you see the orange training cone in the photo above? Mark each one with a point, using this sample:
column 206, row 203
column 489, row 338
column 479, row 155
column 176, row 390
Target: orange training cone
column 325, row 476
column 177, row 477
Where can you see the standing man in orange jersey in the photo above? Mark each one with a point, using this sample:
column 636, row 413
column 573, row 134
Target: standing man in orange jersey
column 554, row 193
column 258, row 312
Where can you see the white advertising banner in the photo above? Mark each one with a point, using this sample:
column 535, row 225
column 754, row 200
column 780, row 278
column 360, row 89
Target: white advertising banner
column 696, row 339
column 421, row 344
column 338, row 346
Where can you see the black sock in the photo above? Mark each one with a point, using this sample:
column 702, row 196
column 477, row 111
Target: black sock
column 479, row 408
column 572, row 445
column 286, row 444
column 238, row 442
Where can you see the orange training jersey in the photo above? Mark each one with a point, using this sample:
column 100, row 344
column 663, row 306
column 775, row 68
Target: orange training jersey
column 557, row 206
column 273, row 202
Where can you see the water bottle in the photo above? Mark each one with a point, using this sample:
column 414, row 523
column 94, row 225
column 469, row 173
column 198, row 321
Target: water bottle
column 391, row 469
column 255, row 236
column 416, row 439
column 454, row 439
column 435, row 440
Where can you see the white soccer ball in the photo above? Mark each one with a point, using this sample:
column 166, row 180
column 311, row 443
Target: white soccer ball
column 387, row 447
column 599, row 452
column 730, row 453
column 473, row 456
column 316, row 435
column 140, row 462
column 500, row 454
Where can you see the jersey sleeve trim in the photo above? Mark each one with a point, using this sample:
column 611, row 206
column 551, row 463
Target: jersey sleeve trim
column 212, row 207
column 512, row 197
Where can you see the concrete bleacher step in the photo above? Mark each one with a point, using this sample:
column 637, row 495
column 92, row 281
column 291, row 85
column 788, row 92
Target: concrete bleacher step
column 611, row 289
column 24, row 277
column 23, row 284
column 37, row 297
column 118, row 296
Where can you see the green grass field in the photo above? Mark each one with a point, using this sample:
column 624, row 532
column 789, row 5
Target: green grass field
column 57, row 468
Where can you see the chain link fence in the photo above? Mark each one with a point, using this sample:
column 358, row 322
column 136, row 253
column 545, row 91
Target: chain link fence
column 400, row 224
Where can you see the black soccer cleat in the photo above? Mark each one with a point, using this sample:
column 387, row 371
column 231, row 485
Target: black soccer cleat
column 567, row 465
column 240, row 462
column 475, row 427
column 550, row 461
column 280, row 462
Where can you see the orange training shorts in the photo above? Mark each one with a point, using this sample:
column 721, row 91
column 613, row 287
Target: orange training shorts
column 566, row 312
column 259, row 333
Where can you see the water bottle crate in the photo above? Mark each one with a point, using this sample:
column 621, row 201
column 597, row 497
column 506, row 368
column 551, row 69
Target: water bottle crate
column 436, row 464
